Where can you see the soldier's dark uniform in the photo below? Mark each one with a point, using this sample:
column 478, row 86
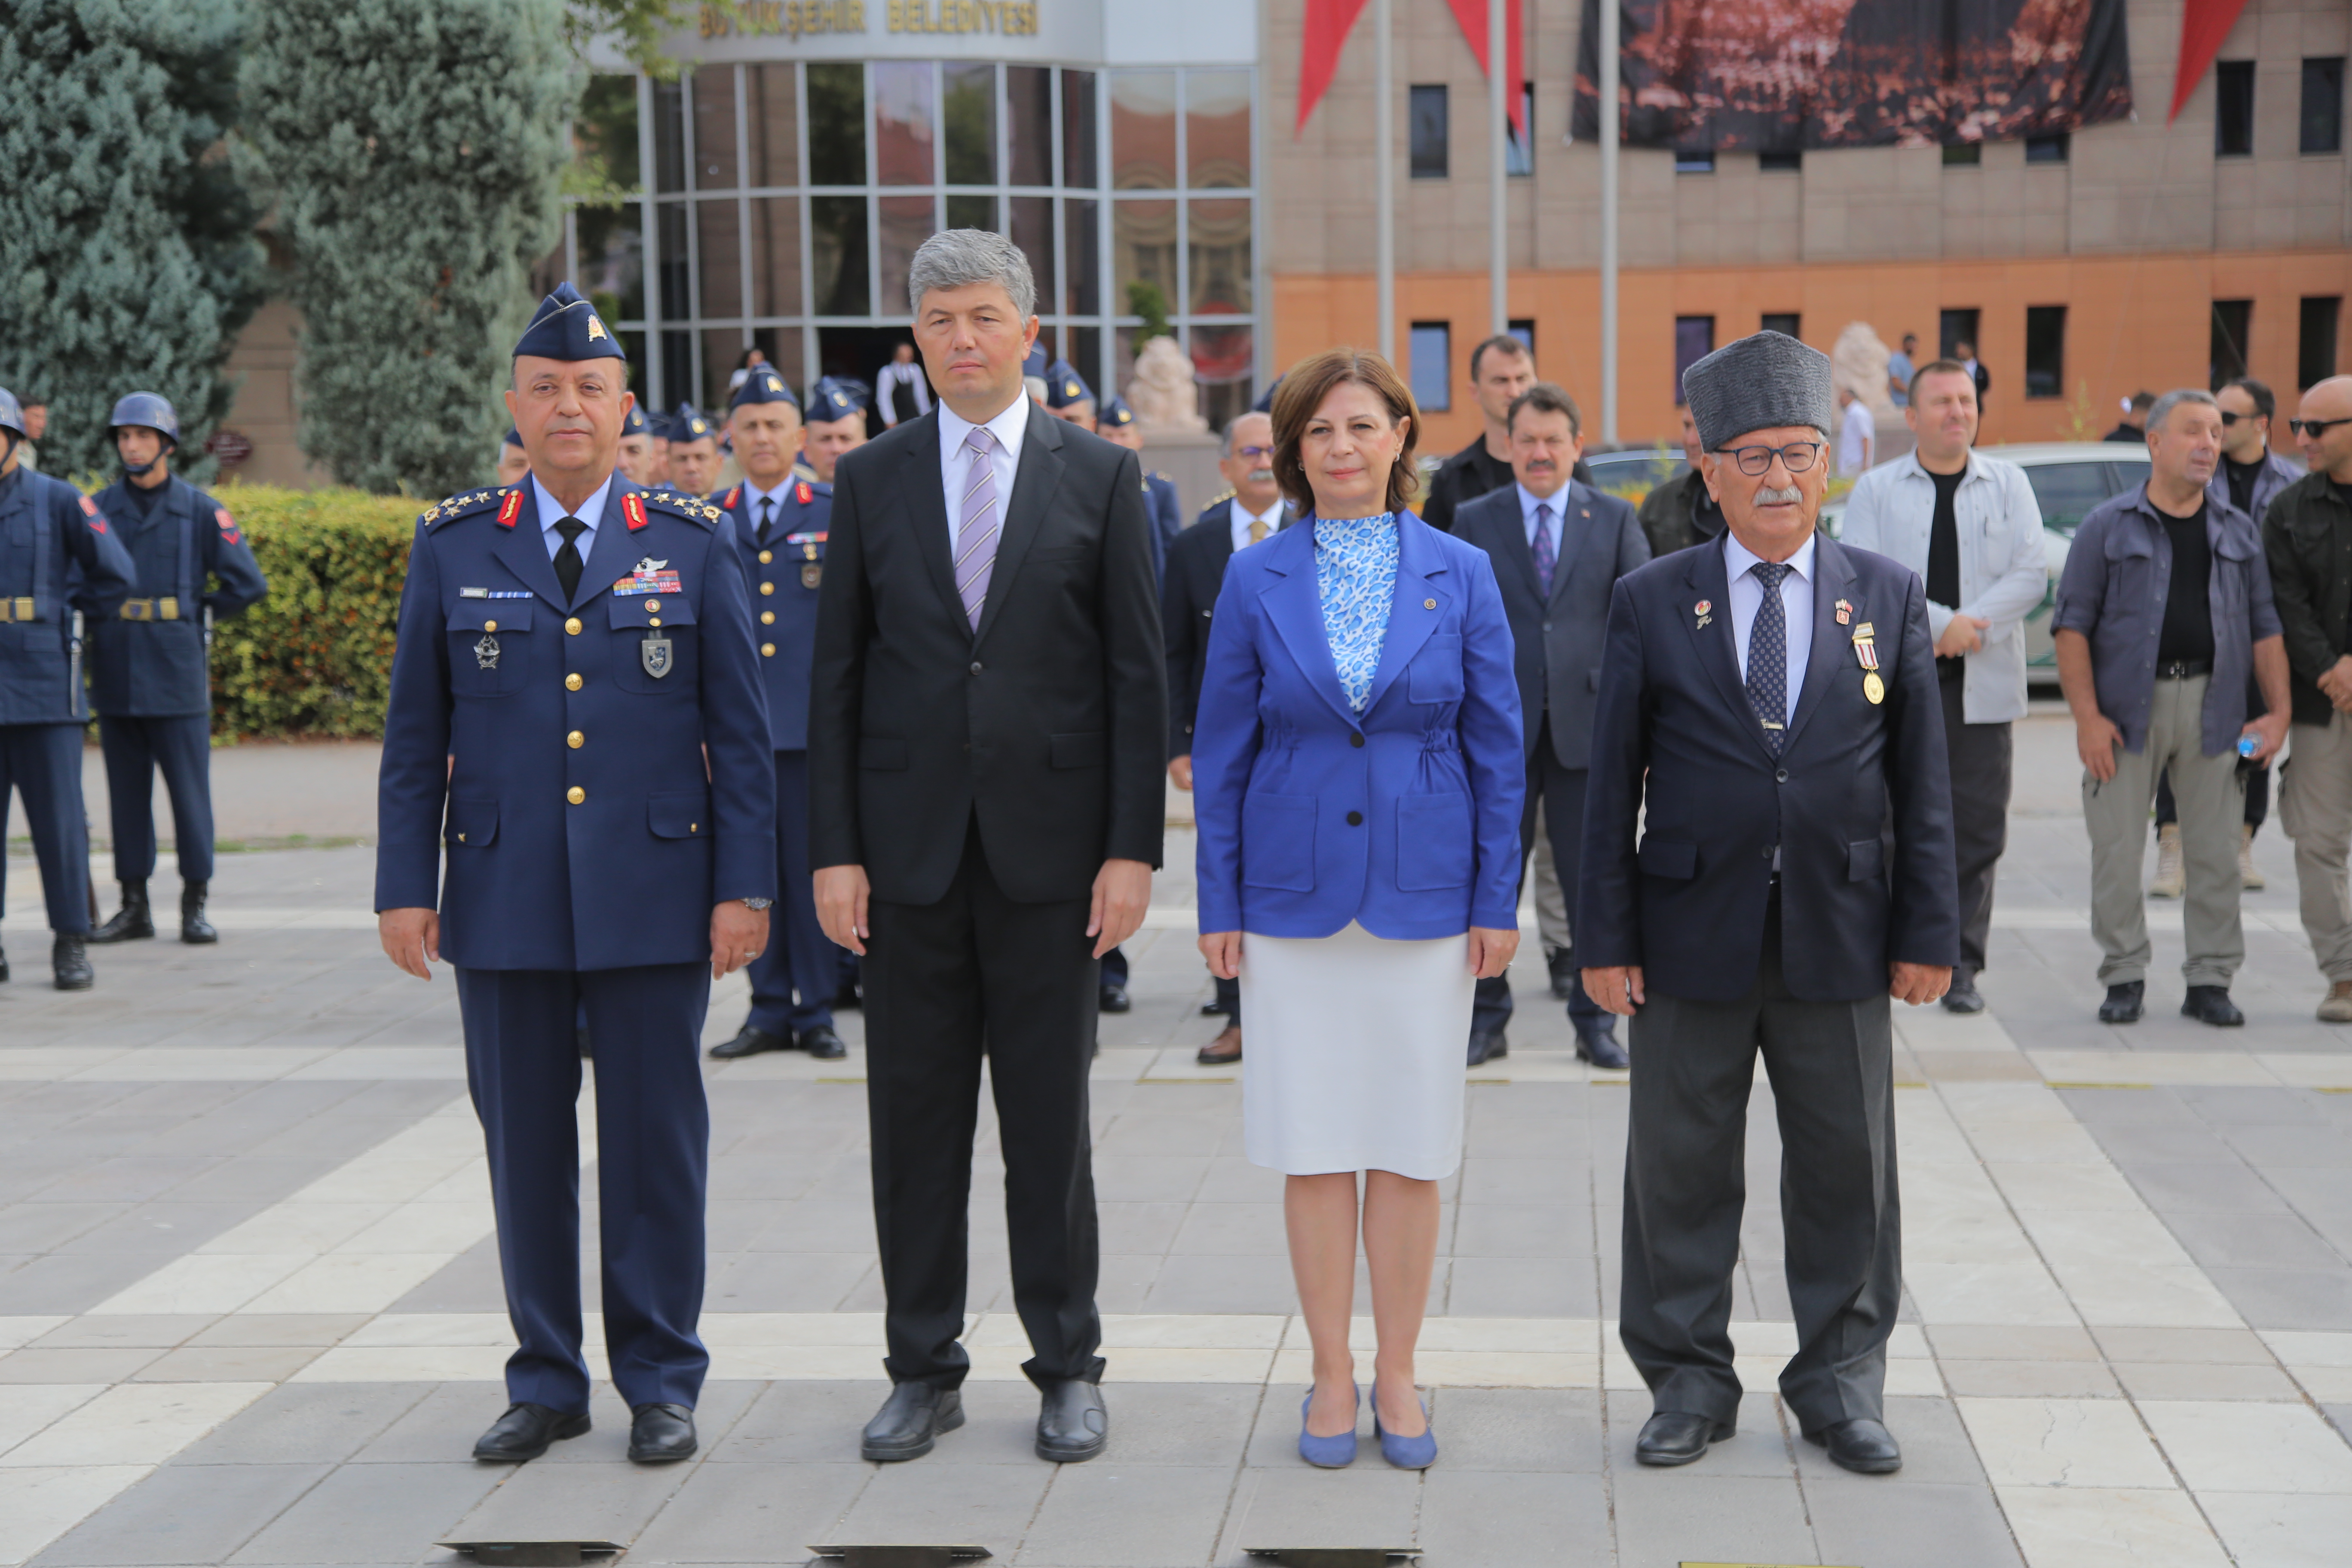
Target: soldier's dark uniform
column 150, row 675
column 1160, row 497
column 57, row 555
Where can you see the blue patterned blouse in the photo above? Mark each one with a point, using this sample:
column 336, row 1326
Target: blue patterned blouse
column 1355, row 578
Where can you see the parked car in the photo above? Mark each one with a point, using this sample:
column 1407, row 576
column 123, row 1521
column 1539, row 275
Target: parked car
column 1631, row 475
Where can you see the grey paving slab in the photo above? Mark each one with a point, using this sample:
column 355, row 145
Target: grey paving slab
column 989, row 1505
column 1472, row 1519
column 751, row 1514
column 2224, row 1186
column 2280, row 1297
column 1296, row 1505
column 1896, row 1520
column 353, row 1514
column 1152, row 1516
column 1540, row 1431
column 1676, row 1516
column 184, row 1514
column 69, row 1282
column 2254, row 1241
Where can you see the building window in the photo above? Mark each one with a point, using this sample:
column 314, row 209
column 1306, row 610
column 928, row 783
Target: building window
column 2233, row 108
column 1783, row 321
column 2322, row 105
column 1427, row 119
column 2047, row 149
column 1518, row 156
column 2321, row 320
column 2045, row 351
column 1964, row 154
column 2231, row 320
column 1694, row 159
column 1428, row 355
column 1526, row 332
column 1781, row 162
column 1694, row 341
column 1954, row 328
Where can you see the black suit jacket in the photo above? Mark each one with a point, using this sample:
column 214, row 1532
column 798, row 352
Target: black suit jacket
column 1689, row 905
column 1196, row 571
column 1047, row 723
column 1559, row 639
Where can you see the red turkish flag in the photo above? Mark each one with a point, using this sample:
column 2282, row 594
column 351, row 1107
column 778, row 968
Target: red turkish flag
column 1328, row 24
column 1472, row 16
column 2203, row 25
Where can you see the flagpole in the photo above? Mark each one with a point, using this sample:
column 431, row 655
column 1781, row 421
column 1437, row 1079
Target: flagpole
column 1608, row 105
column 1499, row 150
column 1384, row 176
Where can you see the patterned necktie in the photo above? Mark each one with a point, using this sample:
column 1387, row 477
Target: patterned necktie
column 975, row 556
column 1546, row 553
column 767, row 518
column 1768, row 655
column 568, row 565
column 1257, row 531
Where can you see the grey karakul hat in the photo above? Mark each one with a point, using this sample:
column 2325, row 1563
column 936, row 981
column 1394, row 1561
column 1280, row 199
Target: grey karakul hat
column 1759, row 383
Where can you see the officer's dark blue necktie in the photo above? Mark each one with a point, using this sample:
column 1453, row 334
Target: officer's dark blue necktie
column 1546, row 553
column 767, row 518
column 1768, row 655
column 568, row 565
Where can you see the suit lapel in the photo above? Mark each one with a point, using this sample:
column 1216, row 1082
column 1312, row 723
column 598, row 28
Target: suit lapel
column 1708, row 582
column 1509, row 527
column 1411, row 618
column 923, row 489
column 1833, row 578
column 1574, row 505
column 1295, row 609
column 1035, row 481
column 610, row 554
column 523, row 552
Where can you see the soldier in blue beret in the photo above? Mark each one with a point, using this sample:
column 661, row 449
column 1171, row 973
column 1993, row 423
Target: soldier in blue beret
column 1068, row 396
column 513, row 463
column 693, row 452
column 58, row 562
column 836, row 423
column 577, row 723
column 149, row 663
column 636, row 454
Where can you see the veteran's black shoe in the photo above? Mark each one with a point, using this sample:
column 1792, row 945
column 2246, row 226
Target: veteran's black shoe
column 1072, row 1422
column 2122, row 1003
column 749, row 1042
column 132, row 921
column 194, row 929
column 2212, row 1004
column 69, row 963
column 1597, row 1043
column 1114, row 999
column 1485, row 1048
column 909, row 1422
column 525, row 1431
column 1677, row 1437
column 1863, row 1445
column 821, row 1043
column 3, row 963
column 1560, row 963
column 1962, row 997
column 661, row 1434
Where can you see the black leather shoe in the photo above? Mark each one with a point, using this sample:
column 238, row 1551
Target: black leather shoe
column 3, row 963
column 661, row 1434
column 1962, row 997
column 1863, row 1445
column 821, row 1043
column 1212, row 1008
column 1597, row 1043
column 132, row 921
column 1073, row 1424
column 749, row 1042
column 194, row 929
column 2212, row 1004
column 1485, row 1048
column 69, row 963
column 525, row 1431
column 1114, row 998
column 2122, row 1003
column 1561, row 964
column 1677, row 1437
column 909, row 1422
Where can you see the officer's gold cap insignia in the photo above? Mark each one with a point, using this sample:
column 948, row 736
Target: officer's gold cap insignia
column 595, row 327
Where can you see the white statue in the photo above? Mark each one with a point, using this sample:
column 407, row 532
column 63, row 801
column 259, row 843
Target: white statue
column 1163, row 395
column 1859, row 363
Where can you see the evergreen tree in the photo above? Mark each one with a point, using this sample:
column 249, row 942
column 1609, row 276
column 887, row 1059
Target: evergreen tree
column 127, row 257
column 413, row 149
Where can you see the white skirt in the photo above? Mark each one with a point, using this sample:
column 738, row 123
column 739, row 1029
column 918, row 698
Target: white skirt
column 1353, row 1052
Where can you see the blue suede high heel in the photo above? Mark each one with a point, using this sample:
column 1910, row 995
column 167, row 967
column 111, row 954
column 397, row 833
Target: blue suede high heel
column 1326, row 1453
column 1406, row 1453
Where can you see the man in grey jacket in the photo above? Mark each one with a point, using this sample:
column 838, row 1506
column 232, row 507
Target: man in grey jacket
column 1969, row 525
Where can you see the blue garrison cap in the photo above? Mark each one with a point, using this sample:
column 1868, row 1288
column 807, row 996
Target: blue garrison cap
column 1064, row 387
column 1264, row 404
column 514, row 437
column 762, row 385
column 149, row 411
column 1036, row 363
column 11, row 417
column 836, row 397
column 1114, row 415
column 689, row 425
column 636, row 423
column 567, row 328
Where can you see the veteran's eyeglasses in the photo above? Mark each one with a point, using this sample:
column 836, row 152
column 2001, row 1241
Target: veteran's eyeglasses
column 1796, row 457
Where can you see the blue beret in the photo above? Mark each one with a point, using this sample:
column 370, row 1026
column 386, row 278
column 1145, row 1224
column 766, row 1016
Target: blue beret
column 1115, row 414
column 689, row 425
column 1036, row 363
column 1064, row 387
column 637, row 424
column 514, row 437
column 762, row 385
column 836, row 397
column 567, row 328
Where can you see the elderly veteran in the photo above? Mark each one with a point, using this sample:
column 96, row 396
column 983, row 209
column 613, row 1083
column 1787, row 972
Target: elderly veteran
column 1770, row 700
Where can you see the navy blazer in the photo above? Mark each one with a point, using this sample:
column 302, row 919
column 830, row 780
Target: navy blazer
column 1188, row 601
column 1167, row 515
column 783, row 579
column 154, row 668
column 1405, row 817
column 557, row 752
column 57, row 556
column 1674, row 733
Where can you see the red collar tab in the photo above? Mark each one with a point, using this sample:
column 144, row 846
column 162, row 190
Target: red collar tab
column 511, row 508
column 732, row 496
column 801, row 493
column 633, row 508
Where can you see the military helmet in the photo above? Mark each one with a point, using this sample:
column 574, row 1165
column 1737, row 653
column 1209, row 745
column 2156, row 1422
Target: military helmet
column 12, row 419
column 148, row 411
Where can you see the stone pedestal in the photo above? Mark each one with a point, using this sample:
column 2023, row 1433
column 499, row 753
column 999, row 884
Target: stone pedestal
column 1189, row 459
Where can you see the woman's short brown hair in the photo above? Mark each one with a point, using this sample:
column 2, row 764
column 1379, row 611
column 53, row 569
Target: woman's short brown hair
column 1302, row 391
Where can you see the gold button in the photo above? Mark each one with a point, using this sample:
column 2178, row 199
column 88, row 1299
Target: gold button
column 577, row 795
column 766, row 556
column 1429, row 604
column 693, row 827
column 489, row 625
column 573, row 626
column 767, row 587
column 653, row 606
column 571, row 683
column 576, row 739
column 653, row 620
column 767, row 650
column 461, row 838
column 767, row 617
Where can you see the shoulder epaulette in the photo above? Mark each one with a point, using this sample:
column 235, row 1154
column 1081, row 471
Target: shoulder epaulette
column 465, row 503
column 1163, row 478
column 694, row 509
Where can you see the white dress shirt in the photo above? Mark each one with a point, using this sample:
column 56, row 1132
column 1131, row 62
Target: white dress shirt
column 1241, row 517
column 955, row 462
column 1528, row 502
column 591, row 512
column 1796, row 604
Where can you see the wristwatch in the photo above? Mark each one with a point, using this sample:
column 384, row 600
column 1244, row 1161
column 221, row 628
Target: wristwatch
column 757, row 904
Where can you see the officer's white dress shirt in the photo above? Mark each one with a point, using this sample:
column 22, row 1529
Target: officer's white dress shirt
column 550, row 512
column 1529, row 502
column 1796, row 604
column 1241, row 518
column 955, row 461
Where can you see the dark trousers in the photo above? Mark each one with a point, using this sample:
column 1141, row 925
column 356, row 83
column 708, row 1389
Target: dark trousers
column 979, row 973
column 1114, row 967
column 43, row 764
column 1229, row 998
column 1560, row 791
column 653, row 1158
column 795, row 975
column 182, row 747
column 1685, row 1184
column 1979, row 757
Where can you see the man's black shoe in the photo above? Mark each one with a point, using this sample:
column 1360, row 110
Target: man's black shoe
column 2122, row 1003
column 1962, row 997
column 132, row 921
column 1562, row 963
column 1597, row 1043
column 69, row 963
column 1212, row 1008
column 1863, row 1446
column 1484, row 1049
column 2212, row 1004
column 1677, row 1437
column 1072, row 1422
column 822, row 1043
column 194, row 929
column 3, row 963
column 909, row 1422
column 1114, row 998
column 749, row 1042
column 525, row 1431
column 661, row 1434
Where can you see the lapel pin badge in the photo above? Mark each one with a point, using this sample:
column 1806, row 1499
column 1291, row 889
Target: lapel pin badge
column 1703, row 610
column 1844, row 611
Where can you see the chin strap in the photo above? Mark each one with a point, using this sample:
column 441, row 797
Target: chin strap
column 140, row 470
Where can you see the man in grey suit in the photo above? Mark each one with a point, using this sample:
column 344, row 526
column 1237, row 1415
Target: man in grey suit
column 1559, row 548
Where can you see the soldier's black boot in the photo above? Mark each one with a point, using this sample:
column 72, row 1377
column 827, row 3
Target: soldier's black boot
column 193, row 928
column 133, row 921
column 3, row 963
column 71, row 964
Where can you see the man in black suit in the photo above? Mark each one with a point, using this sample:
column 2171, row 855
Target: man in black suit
column 1771, row 699
column 1252, row 512
column 1558, row 549
column 986, row 732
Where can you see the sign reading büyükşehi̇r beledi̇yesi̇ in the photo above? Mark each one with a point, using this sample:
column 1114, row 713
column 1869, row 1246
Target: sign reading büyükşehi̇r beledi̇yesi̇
column 805, row 18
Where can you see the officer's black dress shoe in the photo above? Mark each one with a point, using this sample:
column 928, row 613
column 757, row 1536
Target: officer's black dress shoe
column 1561, row 964
column 822, row 1043
column 2212, row 1004
column 1485, row 1048
column 3, row 963
column 909, row 1422
column 525, row 1431
column 1212, row 1008
column 748, row 1042
column 194, row 929
column 1962, row 997
column 1677, row 1437
column 1072, row 1424
column 132, row 921
column 1863, row 1446
column 69, row 963
column 2122, row 1003
column 1114, row 998
column 661, row 1434
column 1597, row 1043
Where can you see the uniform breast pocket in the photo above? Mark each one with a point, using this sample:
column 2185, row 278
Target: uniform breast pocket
column 1435, row 673
column 488, row 646
column 654, row 643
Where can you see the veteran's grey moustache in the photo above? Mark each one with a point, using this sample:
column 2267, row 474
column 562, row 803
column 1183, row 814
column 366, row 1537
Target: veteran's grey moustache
column 1788, row 496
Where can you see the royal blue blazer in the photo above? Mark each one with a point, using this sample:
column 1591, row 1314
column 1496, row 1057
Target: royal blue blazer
column 1404, row 817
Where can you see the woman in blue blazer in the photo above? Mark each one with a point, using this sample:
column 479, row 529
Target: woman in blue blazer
column 1357, row 779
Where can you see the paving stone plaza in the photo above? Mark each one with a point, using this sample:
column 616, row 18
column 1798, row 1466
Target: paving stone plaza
column 250, row 1309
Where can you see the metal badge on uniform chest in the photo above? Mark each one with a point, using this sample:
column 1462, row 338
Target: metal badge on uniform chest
column 485, row 652
column 655, row 653
column 1865, row 653
column 812, row 568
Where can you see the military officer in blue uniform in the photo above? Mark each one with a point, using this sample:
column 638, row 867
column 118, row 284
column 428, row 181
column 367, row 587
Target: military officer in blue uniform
column 150, row 679
column 836, row 425
column 636, row 455
column 513, row 462
column 1115, row 422
column 1068, row 396
column 577, row 724
column 693, row 452
column 58, row 560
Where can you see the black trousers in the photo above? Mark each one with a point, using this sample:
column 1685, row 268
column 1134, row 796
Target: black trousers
column 1685, row 1185
column 979, row 973
column 1560, row 791
column 1980, row 755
